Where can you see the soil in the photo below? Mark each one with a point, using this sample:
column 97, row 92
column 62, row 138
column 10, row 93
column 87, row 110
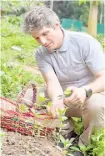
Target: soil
column 15, row 144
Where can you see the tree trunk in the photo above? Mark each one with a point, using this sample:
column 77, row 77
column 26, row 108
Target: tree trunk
column 101, row 14
column 92, row 20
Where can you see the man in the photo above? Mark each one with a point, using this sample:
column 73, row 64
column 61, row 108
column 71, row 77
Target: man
column 71, row 60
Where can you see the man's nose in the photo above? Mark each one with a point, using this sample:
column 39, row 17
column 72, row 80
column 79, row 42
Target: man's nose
column 43, row 41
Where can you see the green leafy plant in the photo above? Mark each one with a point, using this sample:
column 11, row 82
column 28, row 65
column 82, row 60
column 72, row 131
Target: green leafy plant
column 101, row 39
column 78, row 125
column 65, row 142
column 41, row 97
column 67, row 92
column 23, row 108
column 14, row 78
column 12, row 36
column 97, row 141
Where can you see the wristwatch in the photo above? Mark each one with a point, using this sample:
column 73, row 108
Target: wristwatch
column 88, row 92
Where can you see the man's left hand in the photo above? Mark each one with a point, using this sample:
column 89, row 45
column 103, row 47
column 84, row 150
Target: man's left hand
column 77, row 97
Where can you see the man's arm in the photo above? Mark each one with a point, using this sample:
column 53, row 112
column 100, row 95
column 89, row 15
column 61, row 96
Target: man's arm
column 98, row 85
column 53, row 86
column 53, row 89
column 79, row 94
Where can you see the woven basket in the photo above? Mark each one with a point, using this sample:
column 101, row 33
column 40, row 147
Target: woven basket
column 34, row 121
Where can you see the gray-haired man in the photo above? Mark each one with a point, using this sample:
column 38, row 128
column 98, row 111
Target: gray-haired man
column 71, row 60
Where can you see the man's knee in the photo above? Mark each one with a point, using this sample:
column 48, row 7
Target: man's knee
column 95, row 107
column 95, row 103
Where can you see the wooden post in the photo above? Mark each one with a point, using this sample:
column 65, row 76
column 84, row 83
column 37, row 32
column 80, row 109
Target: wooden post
column 92, row 20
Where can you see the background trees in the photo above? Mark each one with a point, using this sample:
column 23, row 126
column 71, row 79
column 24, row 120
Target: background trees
column 88, row 11
column 71, row 9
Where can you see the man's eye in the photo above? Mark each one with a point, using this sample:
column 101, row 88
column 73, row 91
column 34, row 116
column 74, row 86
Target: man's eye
column 45, row 34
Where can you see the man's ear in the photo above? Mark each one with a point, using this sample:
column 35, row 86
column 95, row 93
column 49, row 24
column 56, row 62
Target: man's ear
column 57, row 25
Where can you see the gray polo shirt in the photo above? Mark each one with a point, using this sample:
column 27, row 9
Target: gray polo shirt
column 75, row 63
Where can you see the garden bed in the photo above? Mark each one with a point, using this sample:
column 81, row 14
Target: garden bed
column 15, row 144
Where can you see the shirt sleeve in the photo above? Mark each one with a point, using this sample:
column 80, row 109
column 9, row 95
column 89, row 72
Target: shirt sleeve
column 43, row 61
column 93, row 55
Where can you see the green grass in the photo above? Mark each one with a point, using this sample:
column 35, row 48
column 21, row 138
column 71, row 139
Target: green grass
column 16, row 47
column 14, row 78
column 12, row 35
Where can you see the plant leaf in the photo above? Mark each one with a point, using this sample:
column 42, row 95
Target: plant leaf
column 50, row 104
column 62, row 139
column 82, row 148
column 67, row 92
column 74, row 148
column 41, row 97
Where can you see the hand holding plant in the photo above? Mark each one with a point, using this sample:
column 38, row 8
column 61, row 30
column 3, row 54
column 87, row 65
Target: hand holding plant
column 58, row 104
column 78, row 96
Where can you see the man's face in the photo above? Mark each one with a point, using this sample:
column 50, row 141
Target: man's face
column 48, row 37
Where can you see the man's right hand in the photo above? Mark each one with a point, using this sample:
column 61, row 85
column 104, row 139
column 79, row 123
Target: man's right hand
column 53, row 109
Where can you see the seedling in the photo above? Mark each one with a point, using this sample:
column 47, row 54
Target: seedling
column 66, row 94
column 23, row 108
column 41, row 97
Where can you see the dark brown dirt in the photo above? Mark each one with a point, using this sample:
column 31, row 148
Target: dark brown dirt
column 15, row 144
